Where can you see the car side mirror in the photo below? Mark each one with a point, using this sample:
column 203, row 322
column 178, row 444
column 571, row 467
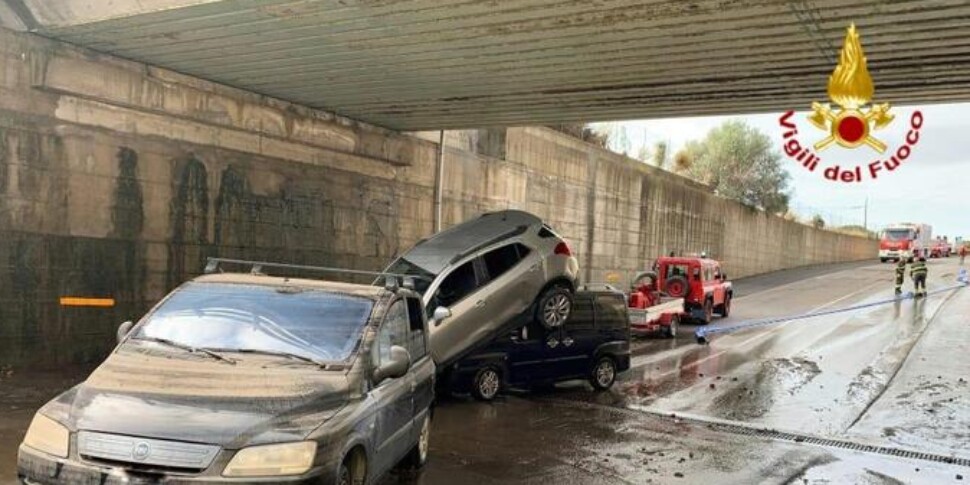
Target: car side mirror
column 123, row 330
column 395, row 367
column 440, row 314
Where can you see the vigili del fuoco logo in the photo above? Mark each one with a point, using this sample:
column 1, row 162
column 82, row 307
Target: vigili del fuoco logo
column 850, row 121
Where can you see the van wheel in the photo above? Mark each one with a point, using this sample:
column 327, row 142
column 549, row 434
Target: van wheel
column 670, row 331
column 486, row 384
column 418, row 456
column 603, row 375
column 554, row 307
column 353, row 469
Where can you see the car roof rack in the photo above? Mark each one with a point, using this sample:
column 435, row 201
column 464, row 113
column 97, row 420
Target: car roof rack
column 397, row 280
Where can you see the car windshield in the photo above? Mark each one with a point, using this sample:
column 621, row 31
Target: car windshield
column 898, row 235
column 320, row 325
column 423, row 277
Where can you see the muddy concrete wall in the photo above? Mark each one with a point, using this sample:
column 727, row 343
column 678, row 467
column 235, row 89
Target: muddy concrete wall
column 117, row 180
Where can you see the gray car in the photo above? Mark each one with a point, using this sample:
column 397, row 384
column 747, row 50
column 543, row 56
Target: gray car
column 247, row 378
column 476, row 276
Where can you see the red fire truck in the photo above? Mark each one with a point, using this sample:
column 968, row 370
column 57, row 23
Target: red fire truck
column 678, row 288
column 905, row 241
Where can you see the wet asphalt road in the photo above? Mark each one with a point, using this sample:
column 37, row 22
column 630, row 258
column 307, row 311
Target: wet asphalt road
column 893, row 375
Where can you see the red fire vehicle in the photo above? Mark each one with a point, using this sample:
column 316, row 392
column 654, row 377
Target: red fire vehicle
column 679, row 287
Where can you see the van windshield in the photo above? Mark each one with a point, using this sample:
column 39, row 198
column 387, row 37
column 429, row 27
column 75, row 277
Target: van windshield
column 319, row 325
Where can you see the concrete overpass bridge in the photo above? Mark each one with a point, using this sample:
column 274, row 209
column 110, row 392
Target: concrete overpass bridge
column 430, row 64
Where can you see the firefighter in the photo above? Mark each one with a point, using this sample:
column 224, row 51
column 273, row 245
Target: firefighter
column 963, row 253
column 900, row 275
column 918, row 273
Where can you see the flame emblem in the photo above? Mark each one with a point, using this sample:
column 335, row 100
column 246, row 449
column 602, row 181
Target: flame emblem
column 851, row 88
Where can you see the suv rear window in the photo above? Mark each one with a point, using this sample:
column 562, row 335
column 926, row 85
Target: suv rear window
column 547, row 232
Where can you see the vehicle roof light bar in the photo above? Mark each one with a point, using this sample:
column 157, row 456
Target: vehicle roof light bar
column 406, row 281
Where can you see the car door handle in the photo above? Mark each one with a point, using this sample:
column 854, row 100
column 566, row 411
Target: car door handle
column 480, row 304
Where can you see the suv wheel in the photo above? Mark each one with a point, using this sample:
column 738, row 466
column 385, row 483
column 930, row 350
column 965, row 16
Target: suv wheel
column 418, row 455
column 604, row 374
column 352, row 469
column 554, row 307
column 670, row 331
column 676, row 286
column 708, row 312
column 726, row 307
column 486, row 384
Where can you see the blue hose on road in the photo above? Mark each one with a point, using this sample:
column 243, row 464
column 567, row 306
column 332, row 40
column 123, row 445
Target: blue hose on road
column 702, row 333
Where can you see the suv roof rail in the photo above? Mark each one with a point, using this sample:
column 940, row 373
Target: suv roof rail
column 406, row 280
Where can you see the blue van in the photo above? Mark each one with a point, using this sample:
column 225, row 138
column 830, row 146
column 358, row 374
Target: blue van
column 593, row 344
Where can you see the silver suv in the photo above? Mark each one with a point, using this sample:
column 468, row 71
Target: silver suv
column 477, row 276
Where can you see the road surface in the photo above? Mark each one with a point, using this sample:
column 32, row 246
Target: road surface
column 804, row 402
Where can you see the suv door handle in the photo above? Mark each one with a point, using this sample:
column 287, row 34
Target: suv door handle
column 534, row 268
column 480, row 304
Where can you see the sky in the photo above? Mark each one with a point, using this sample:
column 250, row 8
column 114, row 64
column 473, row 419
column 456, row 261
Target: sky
column 931, row 186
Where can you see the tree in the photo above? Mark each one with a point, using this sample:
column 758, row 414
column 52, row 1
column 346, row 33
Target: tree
column 818, row 222
column 660, row 154
column 739, row 163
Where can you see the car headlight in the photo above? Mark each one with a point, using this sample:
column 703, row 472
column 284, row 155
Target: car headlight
column 272, row 460
column 47, row 435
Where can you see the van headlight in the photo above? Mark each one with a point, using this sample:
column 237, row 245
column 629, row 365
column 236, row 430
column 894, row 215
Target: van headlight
column 47, row 435
column 272, row 460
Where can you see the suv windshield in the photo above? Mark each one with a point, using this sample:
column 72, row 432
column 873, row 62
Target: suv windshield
column 898, row 235
column 318, row 325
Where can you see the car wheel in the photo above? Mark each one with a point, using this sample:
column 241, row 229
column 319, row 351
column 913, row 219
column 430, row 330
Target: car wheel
column 676, row 286
column 670, row 331
column 418, row 455
column 554, row 307
column 726, row 307
column 352, row 469
column 487, row 384
column 604, row 374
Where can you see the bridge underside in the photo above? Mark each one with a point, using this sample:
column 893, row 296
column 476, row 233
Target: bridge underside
column 428, row 64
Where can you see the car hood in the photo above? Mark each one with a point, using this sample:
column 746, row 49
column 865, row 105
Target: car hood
column 198, row 399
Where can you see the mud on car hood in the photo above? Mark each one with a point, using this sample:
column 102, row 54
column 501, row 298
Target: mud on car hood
column 203, row 400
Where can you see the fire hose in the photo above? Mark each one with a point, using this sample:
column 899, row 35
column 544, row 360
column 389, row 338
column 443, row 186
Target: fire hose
column 702, row 333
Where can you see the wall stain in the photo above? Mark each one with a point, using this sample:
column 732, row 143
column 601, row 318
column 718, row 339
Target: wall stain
column 127, row 213
column 189, row 246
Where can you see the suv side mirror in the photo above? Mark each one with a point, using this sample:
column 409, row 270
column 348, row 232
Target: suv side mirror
column 395, row 367
column 123, row 330
column 440, row 314
column 724, row 276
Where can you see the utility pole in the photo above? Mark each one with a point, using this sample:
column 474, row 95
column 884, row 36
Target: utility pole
column 865, row 217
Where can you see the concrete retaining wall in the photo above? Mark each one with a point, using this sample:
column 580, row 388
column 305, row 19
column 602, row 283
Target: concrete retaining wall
column 118, row 179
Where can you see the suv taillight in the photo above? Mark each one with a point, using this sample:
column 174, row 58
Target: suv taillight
column 563, row 249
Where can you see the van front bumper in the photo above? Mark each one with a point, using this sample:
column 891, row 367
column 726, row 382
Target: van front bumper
column 35, row 467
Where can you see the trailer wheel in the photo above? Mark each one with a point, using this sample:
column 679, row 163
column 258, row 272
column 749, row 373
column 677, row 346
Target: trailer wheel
column 670, row 331
column 676, row 286
column 883, row 260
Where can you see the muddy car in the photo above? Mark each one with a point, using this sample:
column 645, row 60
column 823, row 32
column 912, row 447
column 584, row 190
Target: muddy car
column 247, row 378
column 476, row 276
